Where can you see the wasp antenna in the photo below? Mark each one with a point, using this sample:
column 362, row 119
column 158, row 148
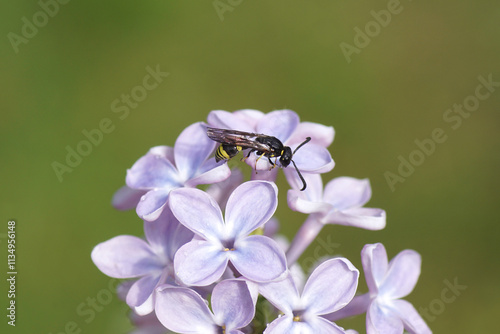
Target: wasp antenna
column 308, row 139
column 300, row 175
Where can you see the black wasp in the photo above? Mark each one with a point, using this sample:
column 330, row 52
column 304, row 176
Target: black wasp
column 233, row 141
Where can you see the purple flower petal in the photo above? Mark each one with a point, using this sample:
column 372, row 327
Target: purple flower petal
column 321, row 325
column 402, row 275
column 232, row 304
column 210, row 172
column 314, row 191
column 125, row 256
column 197, row 211
column 152, row 204
column 381, row 320
column 126, row 198
column 141, row 291
column 265, row 175
column 351, row 331
column 367, row 218
column 375, row 264
column 313, row 159
column 347, row 192
column 283, row 325
column 146, row 324
column 310, row 200
column 282, row 294
column 183, row 310
column 145, row 308
column 315, row 325
column 412, row 320
column 358, row 305
column 123, row 288
column 263, row 168
column 165, row 151
column 258, row 258
column 297, row 203
column 166, row 235
column 250, row 116
column 191, row 149
column 152, row 171
column 331, row 286
column 321, row 135
column 225, row 120
column 250, row 206
column 200, row 262
column 279, row 123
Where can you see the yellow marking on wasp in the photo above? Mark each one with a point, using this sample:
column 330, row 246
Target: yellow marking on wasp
column 221, row 154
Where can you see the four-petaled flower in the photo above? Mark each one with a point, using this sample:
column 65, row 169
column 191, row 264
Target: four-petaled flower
column 387, row 282
column 341, row 202
column 330, row 287
column 203, row 260
column 183, row 310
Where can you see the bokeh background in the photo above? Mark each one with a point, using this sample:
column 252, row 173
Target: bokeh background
column 266, row 55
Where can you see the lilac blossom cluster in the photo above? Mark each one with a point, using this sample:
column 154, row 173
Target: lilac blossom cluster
column 211, row 260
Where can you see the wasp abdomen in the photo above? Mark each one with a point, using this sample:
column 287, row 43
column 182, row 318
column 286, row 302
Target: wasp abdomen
column 226, row 152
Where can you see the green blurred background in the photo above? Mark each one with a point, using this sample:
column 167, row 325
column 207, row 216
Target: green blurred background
column 264, row 55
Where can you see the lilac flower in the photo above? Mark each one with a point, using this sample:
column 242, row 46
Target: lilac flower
column 341, row 202
column 387, row 283
column 203, row 260
column 150, row 261
column 286, row 126
column 330, row 287
column 183, row 310
column 164, row 168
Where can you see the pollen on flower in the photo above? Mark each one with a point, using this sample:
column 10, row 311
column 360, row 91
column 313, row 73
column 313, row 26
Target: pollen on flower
column 297, row 316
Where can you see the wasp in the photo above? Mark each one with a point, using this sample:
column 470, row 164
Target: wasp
column 233, row 141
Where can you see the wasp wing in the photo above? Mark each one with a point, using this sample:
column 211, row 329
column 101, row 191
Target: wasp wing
column 238, row 138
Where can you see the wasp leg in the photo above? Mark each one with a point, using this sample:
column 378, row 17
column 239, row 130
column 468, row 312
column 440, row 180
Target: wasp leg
column 273, row 164
column 260, row 156
column 246, row 157
column 256, row 161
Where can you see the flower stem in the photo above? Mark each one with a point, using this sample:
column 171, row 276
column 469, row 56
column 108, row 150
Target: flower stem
column 304, row 237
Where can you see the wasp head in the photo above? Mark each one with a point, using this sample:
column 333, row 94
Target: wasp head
column 286, row 156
